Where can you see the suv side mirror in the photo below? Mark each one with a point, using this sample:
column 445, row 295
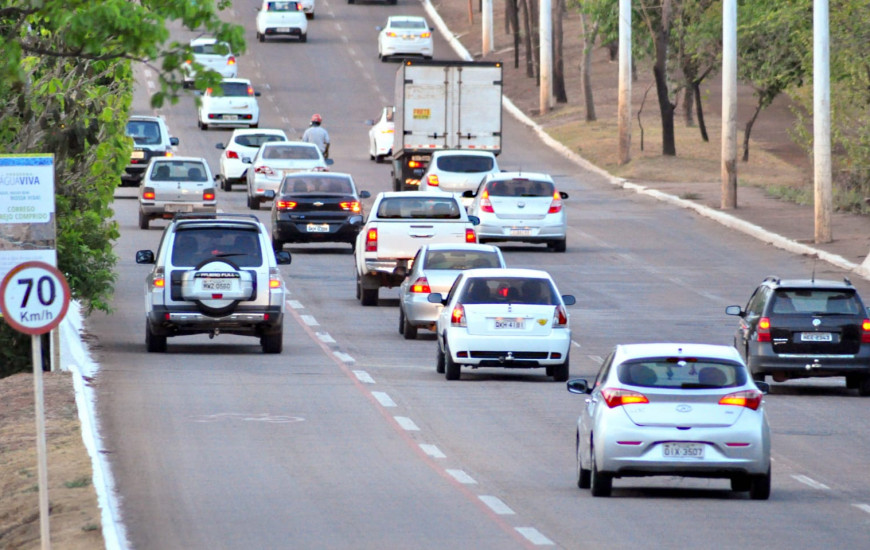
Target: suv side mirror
column 578, row 385
column 269, row 194
column 563, row 194
column 474, row 220
column 144, row 257
column 364, row 194
column 468, row 194
column 329, row 162
column 435, row 298
column 220, row 146
column 283, row 257
column 173, row 141
column 763, row 387
column 734, row 310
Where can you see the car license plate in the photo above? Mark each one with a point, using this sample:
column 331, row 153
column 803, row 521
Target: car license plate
column 520, row 231
column 683, row 450
column 283, row 29
column 178, row 208
column 138, row 155
column 231, row 117
column 816, row 337
column 509, row 323
column 318, row 227
column 217, row 284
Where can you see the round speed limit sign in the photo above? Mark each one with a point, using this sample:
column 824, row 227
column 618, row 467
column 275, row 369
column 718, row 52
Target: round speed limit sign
column 34, row 297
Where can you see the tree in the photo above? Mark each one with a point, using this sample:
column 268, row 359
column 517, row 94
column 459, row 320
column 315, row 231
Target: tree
column 595, row 16
column 657, row 18
column 558, row 59
column 697, row 38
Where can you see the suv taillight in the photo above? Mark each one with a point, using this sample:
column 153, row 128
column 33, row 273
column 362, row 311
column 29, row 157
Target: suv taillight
column 485, row 204
column 560, row 318
column 208, row 195
column 764, row 329
column 432, row 180
column 231, row 60
column 158, row 282
column 556, row 205
column 470, row 235
column 457, row 316
column 274, row 278
column 616, row 397
column 421, row 286
column 372, row 240
column 865, row 331
column 751, row 399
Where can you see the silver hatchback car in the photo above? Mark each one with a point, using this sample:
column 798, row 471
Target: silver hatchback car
column 688, row 410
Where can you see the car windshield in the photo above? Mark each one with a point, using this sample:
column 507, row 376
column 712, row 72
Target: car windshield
column 294, row 185
column 681, row 372
column 465, row 163
column 291, row 152
column 520, row 188
column 144, row 132
column 816, row 301
column 514, row 290
column 179, row 170
column 256, row 140
column 233, row 89
column 192, row 246
column 212, row 49
column 460, row 259
column 407, row 24
column 410, row 207
column 282, row 6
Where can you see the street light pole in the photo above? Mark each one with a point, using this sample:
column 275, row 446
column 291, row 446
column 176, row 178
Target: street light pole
column 546, row 28
column 729, row 104
column 486, row 31
column 624, row 95
column 822, row 122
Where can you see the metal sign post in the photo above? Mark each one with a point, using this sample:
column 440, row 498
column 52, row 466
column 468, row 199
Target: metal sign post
column 34, row 297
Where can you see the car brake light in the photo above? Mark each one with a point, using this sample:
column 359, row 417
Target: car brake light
column 764, row 329
column 353, row 206
column 263, row 169
column 457, row 316
column 751, row 399
column 865, row 331
column 274, row 278
column 432, row 179
column 421, row 286
column 372, row 240
column 231, row 60
column 560, row 318
column 232, row 154
column 208, row 195
column 485, row 204
column 148, row 194
column 556, row 205
column 159, row 282
column 391, row 34
column 168, row 154
column 250, row 90
column 415, row 164
column 470, row 235
column 285, row 205
column 615, row 397
column 425, row 34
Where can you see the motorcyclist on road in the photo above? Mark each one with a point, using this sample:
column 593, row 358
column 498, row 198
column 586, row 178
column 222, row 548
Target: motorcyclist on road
column 317, row 135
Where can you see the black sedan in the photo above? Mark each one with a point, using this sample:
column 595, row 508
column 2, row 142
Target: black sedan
column 315, row 207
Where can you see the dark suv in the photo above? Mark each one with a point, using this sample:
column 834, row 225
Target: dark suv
column 805, row 328
column 150, row 139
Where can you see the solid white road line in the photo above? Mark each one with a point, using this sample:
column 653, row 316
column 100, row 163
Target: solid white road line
column 496, row 505
column 345, row 358
column 462, row 477
column 384, row 399
column 325, row 338
column 406, row 423
column 363, row 377
column 596, row 358
column 534, row 536
column 432, row 450
column 810, row 482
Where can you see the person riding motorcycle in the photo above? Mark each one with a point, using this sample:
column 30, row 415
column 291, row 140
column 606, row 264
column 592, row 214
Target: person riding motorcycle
column 317, row 135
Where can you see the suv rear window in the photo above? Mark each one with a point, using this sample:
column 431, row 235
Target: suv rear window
column 464, row 163
column 516, row 290
column 401, row 207
column 681, row 372
column 144, row 132
column 193, row 245
column 256, row 140
column 520, row 188
column 816, row 301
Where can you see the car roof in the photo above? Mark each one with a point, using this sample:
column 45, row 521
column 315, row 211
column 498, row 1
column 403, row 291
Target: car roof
column 809, row 283
column 173, row 159
column 499, row 176
column 146, row 117
column 406, row 18
column 416, row 195
column 319, row 174
column 203, row 40
column 625, row 352
column 255, row 131
column 239, row 80
column 289, row 142
column 461, row 246
column 217, row 219
column 507, row 272
column 462, row 152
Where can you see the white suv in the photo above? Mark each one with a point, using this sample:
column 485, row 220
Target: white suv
column 457, row 171
column 214, row 274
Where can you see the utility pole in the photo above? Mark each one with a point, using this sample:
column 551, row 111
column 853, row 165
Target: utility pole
column 486, row 22
column 546, row 28
column 624, row 94
column 823, row 194
column 729, row 104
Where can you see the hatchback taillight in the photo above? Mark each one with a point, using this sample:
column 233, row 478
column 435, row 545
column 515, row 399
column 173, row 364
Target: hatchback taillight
column 232, row 154
column 485, row 204
column 560, row 318
column 231, row 60
column 457, row 316
column 372, row 240
column 285, row 205
column 208, row 195
column 763, row 329
column 148, row 194
column 353, row 206
column 263, row 169
column 615, row 397
column 865, row 331
column 432, row 180
column 556, row 205
column 751, row 399
column 421, row 286
column 470, row 235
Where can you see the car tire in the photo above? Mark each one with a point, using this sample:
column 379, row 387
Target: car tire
column 350, row 1
column 451, row 367
column 253, row 203
column 277, row 245
column 379, row 159
column 272, row 343
column 409, row 331
column 254, row 126
column 303, row 38
column 401, row 321
column 562, row 370
column 758, row 376
column 368, row 296
column 154, row 343
column 143, row 220
column 600, row 484
column 261, row 37
column 558, row 246
column 864, row 387
column 584, row 476
column 439, row 360
column 741, row 483
column 759, row 486
column 202, row 125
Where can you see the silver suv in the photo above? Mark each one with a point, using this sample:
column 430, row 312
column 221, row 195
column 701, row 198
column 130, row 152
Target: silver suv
column 213, row 274
column 150, row 139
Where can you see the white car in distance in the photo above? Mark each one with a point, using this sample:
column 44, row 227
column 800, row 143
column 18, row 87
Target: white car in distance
column 307, row 6
column 457, row 171
column 273, row 161
column 235, row 104
column 405, row 35
column 381, row 135
column 282, row 18
column 173, row 185
column 210, row 54
column 244, row 142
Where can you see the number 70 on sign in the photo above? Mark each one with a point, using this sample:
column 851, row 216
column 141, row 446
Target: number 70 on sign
column 34, row 297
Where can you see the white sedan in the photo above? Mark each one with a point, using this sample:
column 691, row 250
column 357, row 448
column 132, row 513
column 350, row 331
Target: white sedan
column 172, row 185
column 670, row 409
column 381, row 135
column 508, row 318
column 210, row 54
column 405, row 35
column 282, row 18
column 520, row 207
column 235, row 104
column 243, row 143
column 275, row 159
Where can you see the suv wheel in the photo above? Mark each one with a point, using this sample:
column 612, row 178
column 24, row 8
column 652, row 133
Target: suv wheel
column 272, row 343
column 153, row 342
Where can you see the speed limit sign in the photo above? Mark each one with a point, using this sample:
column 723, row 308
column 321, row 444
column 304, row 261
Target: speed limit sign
column 34, row 297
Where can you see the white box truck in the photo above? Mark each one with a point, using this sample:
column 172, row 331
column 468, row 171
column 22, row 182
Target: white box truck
column 443, row 105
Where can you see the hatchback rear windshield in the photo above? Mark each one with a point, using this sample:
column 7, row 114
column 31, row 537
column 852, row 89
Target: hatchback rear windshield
column 212, row 49
column 291, row 152
column 436, row 208
column 256, row 140
column 516, row 290
column 465, row 163
column 282, row 6
column 194, row 245
column 144, row 132
column 520, row 188
column 316, row 184
column 460, row 259
column 816, row 301
column 681, row 372
column 407, row 24
column 179, row 170
column 233, row 89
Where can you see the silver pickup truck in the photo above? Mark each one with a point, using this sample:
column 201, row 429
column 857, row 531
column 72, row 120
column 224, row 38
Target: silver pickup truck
column 399, row 223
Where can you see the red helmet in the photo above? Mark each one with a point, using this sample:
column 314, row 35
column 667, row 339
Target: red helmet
column 316, row 118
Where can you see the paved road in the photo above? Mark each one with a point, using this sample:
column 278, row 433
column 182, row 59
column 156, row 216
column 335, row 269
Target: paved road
column 349, row 439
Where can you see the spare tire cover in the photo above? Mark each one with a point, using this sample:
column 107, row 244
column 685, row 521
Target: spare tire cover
column 214, row 306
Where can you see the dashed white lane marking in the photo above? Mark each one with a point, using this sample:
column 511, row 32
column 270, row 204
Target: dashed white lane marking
column 811, row 482
column 295, row 304
column 364, row 377
column 865, row 507
column 345, row 40
column 338, row 26
column 325, row 338
column 344, row 357
column 462, row 477
column 597, row 358
column 534, row 536
column 432, row 450
column 496, row 505
column 406, row 423
column 150, row 84
column 576, row 343
column 310, row 320
column 359, row 63
column 384, row 399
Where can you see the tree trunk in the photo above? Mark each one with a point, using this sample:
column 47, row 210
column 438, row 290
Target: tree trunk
column 660, row 70
column 558, row 60
column 535, row 13
column 515, row 23
column 589, row 36
column 689, row 106
column 509, row 8
column 527, row 39
column 748, row 129
column 470, row 13
column 696, row 86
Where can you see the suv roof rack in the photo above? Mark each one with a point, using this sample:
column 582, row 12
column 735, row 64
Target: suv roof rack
column 772, row 278
column 847, row 281
column 212, row 216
